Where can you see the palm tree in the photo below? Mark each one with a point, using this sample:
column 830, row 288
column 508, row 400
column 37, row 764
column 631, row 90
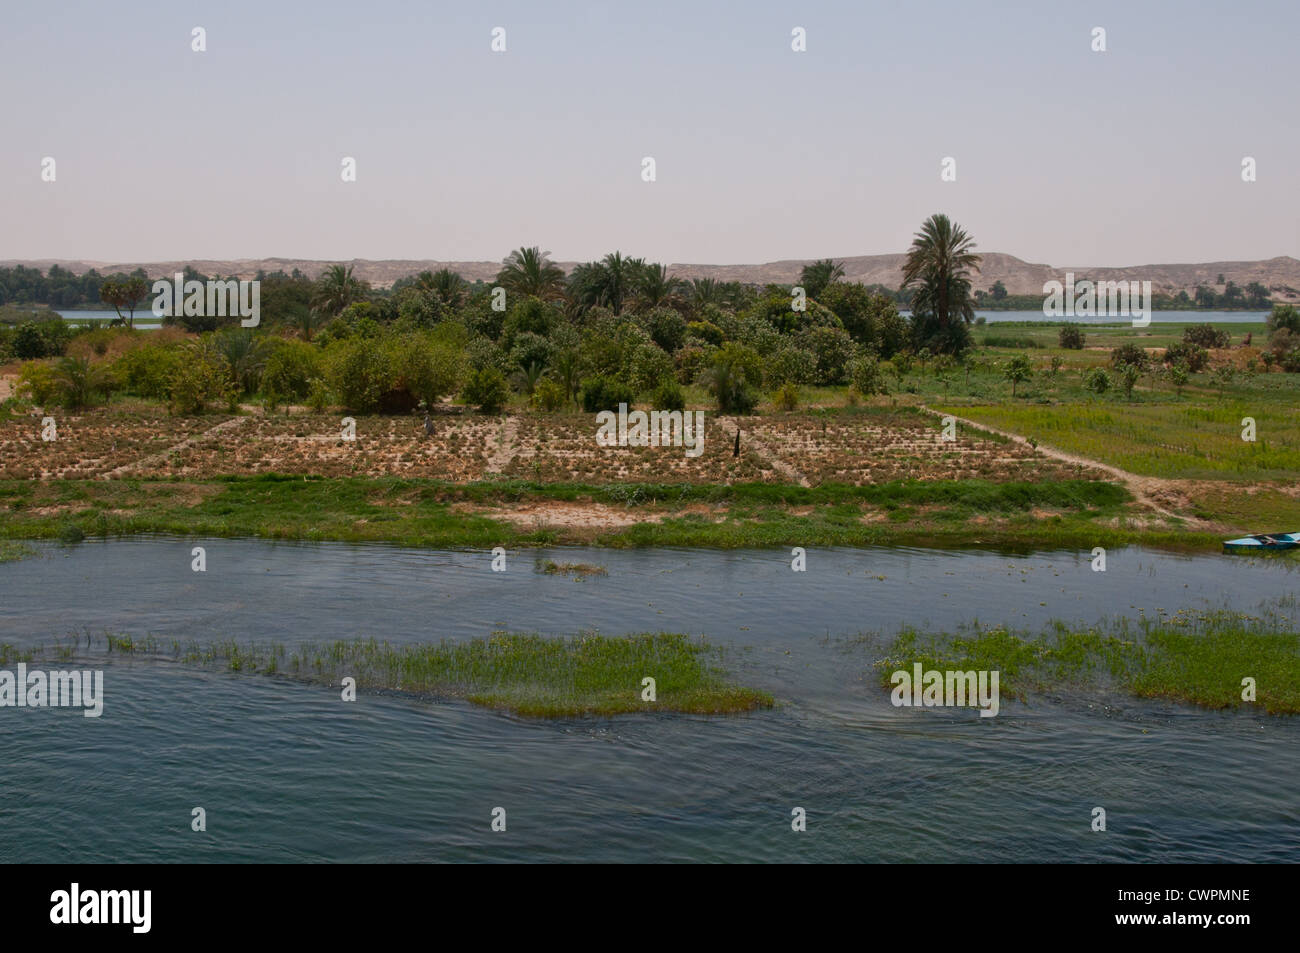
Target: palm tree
column 445, row 285
column 938, row 271
column 820, row 275
column 337, row 288
column 608, row 282
column 704, row 291
column 304, row 319
column 656, row 287
column 530, row 271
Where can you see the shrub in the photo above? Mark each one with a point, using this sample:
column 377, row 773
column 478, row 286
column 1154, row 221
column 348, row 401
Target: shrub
column 867, row 378
column 692, row 360
column 605, row 393
column 790, row 365
column 1205, row 335
column 1284, row 316
column 37, row 382
column 668, row 395
column 705, row 331
column 1097, row 381
column 147, row 370
column 318, row 395
column 1128, row 376
column 833, row 349
column 420, row 370
column 733, row 377
column 358, row 373
column 667, row 328
column 487, row 390
column 1192, row 356
column 1018, row 370
column 1129, row 353
column 1178, row 376
column 1071, row 337
column 79, row 382
column 200, row 377
column 549, row 395
column 786, row 396
column 649, row 365
column 290, row 370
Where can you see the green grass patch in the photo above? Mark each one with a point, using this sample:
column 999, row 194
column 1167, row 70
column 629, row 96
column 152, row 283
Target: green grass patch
column 1201, row 659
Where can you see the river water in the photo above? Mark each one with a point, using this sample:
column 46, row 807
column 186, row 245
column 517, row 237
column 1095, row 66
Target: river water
column 287, row 772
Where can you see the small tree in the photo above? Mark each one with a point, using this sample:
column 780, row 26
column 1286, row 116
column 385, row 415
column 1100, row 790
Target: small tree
column 1178, row 376
column 487, row 389
column 1018, row 370
column 1097, row 381
column 124, row 294
column 1128, row 376
column 1071, row 337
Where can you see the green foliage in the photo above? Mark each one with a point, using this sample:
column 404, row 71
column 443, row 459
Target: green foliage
column 549, row 395
column 1129, row 353
column 1018, row 370
column 202, row 376
column 668, row 395
column 80, row 383
column 790, row 365
column 1284, row 316
column 1206, row 336
column 486, row 389
column 786, row 397
column 146, row 371
column 605, row 393
column 667, row 328
column 832, row 348
column 33, row 340
column 1193, row 357
column 867, row 378
column 37, row 382
column 706, row 332
column 1071, row 337
column 734, row 377
column 290, row 369
column 1097, row 381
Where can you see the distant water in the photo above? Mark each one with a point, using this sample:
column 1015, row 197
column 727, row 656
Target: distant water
column 288, row 772
column 144, row 318
column 1157, row 317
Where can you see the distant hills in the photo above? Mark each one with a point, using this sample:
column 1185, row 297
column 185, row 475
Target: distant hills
column 1280, row 275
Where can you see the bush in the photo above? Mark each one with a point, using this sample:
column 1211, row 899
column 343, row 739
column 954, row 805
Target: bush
column 667, row 328
column 1097, row 381
column 733, row 377
column 32, row 341
column 833, row 349
column 1205, row 335
column 549, row 395
column 786, row 396
column 1071, row 337
column 38, row 383
column 706, row 331
column 605, row 393
column 290, row 370
column 201, row 376
column 79, row 382
column 649, row 365
column 1178, row 376
column 866, row 375
column 147, row 371
column 1192, row 356
column 1284, row 316
column 668, row 395
column 420, row 370
column 1130, row 354
column 487, row 390
column 358, row 373
column 790, row 365
column 692, row 360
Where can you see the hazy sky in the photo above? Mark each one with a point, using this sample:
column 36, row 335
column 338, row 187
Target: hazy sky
column 1064, row 156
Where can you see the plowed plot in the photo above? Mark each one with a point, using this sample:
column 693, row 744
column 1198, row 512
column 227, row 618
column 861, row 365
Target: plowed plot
column 314, row 444
column 91, row 443
column 879, row 448
column 563, row 448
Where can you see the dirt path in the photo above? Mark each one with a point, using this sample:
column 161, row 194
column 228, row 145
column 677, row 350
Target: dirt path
column 1143, row 488
column 505, row 451
column 751, row 443
column 160, row 458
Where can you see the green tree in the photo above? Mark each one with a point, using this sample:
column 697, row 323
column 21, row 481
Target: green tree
column 937, row 272
column 337, row 288
column 999, row 291
column 820, row 275
column 1018, row 370
column 127, row 293
column 530, row 271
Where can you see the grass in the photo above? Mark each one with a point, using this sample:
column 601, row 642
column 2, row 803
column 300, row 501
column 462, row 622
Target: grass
column 432, row 513
column 527, row 674
column 550, row 567
column 1201, row 659
column 12, row 551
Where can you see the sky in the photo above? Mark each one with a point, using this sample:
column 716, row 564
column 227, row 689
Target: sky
column 1064, row 155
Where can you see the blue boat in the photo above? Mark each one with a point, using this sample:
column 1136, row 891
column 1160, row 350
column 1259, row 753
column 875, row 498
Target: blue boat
column 1263, row 543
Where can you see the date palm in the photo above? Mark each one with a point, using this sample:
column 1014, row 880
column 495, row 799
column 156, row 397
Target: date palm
column 337, row 288
column 937, row 269
column 530, row 271
column 656, row 287
column 820, row 275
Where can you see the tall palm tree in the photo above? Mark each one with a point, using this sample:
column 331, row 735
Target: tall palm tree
column 530, row 271
column 704, row 291
column 655, row 286
column 820, row 275
column 444, row 284
column 608, row 283
column 937, row 269
column 337, row 288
